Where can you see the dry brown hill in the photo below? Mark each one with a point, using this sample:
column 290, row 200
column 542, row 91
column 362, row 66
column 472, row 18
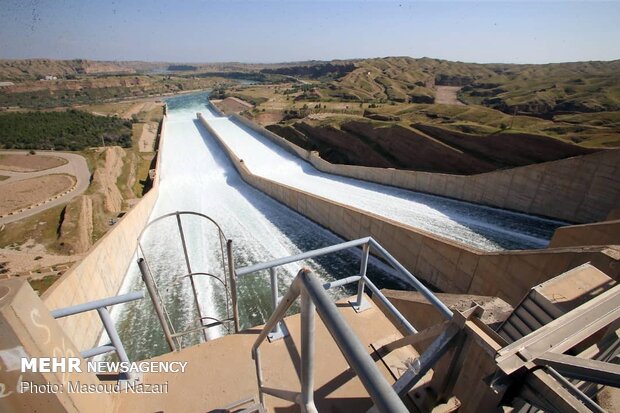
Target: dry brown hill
column 424, row 147
column 32, row 69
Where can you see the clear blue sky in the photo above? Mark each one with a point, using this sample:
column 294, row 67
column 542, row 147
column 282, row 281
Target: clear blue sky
column 275, row 31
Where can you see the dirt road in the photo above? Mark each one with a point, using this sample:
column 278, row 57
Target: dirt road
column 75, row 166
column 446, row 95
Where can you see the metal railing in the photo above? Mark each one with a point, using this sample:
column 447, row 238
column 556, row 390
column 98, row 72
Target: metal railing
column 313, row 297
column 312, row 292
column 362, row 280
column 204, row 321
column 115, row 344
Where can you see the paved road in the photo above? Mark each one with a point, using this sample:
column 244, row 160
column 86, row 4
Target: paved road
column 75, row 166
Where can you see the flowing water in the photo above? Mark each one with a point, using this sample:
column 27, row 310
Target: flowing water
column 196, row 175
column 486, row 228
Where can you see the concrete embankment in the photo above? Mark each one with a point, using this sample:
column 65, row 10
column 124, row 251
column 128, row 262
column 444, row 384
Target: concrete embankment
column 598, row 233
column 101, row 273
column 447, row 265
column 579, row 189
column 216, row 110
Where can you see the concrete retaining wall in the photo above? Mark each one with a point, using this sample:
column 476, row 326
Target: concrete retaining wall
column 275, row 138
column 447, row 265
column 598, row 233
column 217, row 110
column 100, row 274
column 580, row 189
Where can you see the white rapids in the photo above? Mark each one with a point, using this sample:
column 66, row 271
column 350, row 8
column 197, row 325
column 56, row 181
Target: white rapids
column 486, row 228
column 196, row 175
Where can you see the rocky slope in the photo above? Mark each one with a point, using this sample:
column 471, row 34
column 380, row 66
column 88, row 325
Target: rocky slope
column 423, row 147
column 104, row 179
column 76, row 228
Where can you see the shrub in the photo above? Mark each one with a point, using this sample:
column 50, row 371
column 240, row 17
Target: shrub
column 69, row 130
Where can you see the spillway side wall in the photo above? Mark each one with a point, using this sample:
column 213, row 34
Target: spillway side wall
column 580, row 189
column 447, row 265
column 100, row 274
column 216, row 110
column 275, row 138
column 598, row 233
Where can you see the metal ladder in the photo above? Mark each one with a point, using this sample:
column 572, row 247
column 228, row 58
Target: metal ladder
column 203, row 321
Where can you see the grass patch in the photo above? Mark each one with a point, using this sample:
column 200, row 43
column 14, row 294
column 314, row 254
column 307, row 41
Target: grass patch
column 143, row 166
column 92, row 157
column 2, row 177
column 42, row 227
column 154, row 114
column 40, row 285
column 122, row 182
column 136, row 132
column 109, row 109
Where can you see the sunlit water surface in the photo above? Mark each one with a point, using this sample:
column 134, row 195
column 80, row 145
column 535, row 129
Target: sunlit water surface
column 196, row 175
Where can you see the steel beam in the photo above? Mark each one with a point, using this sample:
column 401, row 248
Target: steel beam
column 546, row 393
column 382, row 394
column 563, row 333
column 152, row 289
column 307, row 353
column 426, row 361
column 573, row 367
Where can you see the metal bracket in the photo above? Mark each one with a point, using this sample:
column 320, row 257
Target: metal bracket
column 279, row 332
column 365, row 305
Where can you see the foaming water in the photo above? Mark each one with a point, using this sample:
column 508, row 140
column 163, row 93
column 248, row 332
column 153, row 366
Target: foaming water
column 196, row 175
column 486, row 228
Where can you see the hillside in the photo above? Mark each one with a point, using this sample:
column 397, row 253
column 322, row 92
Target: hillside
column 549, row 89
column 423, row 147
column 403, row 79
column 33, row 69
column 96, row 89
column 541, row 90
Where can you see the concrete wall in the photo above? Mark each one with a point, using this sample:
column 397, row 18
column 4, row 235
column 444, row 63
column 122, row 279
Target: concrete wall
column 580, row 189
column 217, row 110
column 101, row 273
column 28, row 331
column 447, row 265
column 275, row 138
column 598, row 233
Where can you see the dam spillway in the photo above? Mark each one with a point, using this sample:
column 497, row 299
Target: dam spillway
column 485, row 228
column 196, row 175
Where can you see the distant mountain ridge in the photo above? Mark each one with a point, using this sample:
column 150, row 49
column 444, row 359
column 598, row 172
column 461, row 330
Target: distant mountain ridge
column 534, row 89
column 527, row 89
column 31, row 69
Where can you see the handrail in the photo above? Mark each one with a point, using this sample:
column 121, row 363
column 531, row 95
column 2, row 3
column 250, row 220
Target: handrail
column 432, row 298
column 108, row 324
column 313, row 297
column 366, row 243
column 93, row 305
column 303, row 256
column 170, row 214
